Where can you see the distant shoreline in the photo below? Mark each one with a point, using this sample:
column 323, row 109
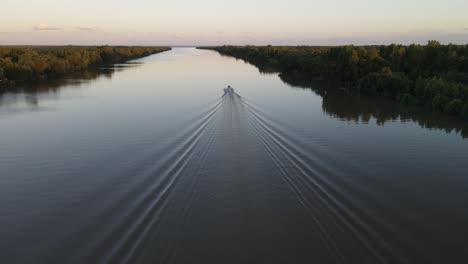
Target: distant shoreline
column 35, row 63
column 432, row 75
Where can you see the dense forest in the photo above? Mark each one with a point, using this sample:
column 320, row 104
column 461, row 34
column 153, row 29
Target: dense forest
column 432, row 75
column 33, row 63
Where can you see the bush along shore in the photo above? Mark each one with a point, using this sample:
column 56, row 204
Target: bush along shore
column 39, row 63
column 432, row 75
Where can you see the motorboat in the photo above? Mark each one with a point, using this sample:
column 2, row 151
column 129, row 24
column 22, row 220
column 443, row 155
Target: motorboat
column 228, row 89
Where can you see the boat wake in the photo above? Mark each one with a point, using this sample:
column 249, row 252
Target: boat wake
column 229, row 179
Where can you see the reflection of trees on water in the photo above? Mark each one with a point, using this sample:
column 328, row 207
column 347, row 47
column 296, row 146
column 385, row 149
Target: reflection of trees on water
column 29, row 93
column 340, row 104
column 362, row 109
column 262, row 68
column 54, row 85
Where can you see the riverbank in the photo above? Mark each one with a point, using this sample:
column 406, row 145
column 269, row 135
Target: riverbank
column 433, row 75
column 28, row 64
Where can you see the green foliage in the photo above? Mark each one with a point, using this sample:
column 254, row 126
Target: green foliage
column 407, row 98
column 454, row 107
column 383, row 84
column 434, row 75
column 25, row 63
column 439, row 102
column 464, row 112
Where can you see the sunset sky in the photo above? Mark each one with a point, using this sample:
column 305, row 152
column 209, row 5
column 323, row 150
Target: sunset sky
column 210, row 22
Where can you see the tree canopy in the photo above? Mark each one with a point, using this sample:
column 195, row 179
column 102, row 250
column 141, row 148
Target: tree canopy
column 30, row 63
column 432, row 75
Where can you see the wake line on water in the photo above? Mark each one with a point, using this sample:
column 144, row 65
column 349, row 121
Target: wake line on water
column 154, row 194
column 135, row 211
column 310, row 180
column 334, row 212
column 168, row 175
column 138, row 216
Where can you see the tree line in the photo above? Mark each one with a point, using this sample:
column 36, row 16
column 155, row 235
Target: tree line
column 432, row 75
column 32, row 63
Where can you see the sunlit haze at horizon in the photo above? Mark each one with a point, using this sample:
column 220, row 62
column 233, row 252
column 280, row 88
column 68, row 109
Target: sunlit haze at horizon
column 209, row 22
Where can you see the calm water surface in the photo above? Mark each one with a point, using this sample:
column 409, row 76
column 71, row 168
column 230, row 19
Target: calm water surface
column 152, row 162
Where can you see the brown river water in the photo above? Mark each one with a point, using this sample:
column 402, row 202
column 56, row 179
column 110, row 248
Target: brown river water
column 153, row 162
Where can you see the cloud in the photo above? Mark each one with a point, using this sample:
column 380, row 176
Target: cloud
column 466, row 29
column 43, row 27
column 87, row 28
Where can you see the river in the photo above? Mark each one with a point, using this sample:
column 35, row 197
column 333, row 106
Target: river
column 153, row 162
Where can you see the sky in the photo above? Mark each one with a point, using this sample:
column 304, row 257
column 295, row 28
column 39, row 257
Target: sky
column 241, row 22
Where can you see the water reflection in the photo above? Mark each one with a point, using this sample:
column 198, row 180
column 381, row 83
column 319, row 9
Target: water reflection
column 336, row 102
column 27, row 96
column 363, row 109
